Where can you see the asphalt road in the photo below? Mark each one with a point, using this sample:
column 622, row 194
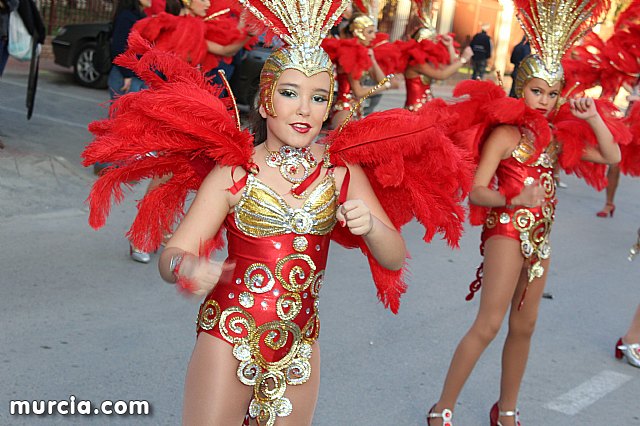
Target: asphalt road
column 79, row 318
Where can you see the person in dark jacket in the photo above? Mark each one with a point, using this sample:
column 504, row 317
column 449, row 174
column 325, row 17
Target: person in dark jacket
column 6, row 7
column 128, row 12
column 481, row 46
column 519, row 52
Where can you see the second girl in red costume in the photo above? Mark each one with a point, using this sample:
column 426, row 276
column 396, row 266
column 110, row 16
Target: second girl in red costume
column 519, row 143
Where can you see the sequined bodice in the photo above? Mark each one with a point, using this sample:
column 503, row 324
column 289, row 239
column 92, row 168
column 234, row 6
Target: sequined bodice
column 530, row 225
column 267, row 307
column 418, row 92
column 262, row 212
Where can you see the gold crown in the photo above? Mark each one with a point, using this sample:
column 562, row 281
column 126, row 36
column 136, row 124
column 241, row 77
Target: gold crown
column 301, row 25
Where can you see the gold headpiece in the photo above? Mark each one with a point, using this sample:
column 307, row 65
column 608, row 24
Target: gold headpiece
column 552, row 26
column 358, row 24
column 301, row 25
column 427, row 31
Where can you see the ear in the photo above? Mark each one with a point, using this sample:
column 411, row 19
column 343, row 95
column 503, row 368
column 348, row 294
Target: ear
column 262, row 111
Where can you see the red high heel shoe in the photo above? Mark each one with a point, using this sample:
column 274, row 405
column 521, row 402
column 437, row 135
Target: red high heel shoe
column 495, row 414
column 607, row 211
column 445, row 415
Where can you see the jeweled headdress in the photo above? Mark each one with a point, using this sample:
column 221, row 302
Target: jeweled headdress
column 301, row 25
column 427, row 31
column 552, row 26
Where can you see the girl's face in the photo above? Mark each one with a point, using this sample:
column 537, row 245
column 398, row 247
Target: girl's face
column 199, row 7
column 539, row 95
column 144, row 3
column 369, row 35
column 300, row 104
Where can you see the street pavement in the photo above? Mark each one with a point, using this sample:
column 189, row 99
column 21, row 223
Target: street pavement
column 80, row 318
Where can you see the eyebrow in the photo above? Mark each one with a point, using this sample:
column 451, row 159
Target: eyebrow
column 295, row 86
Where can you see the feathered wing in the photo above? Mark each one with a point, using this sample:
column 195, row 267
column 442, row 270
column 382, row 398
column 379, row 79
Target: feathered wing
column 575, row 135
column 630, row 163
column 177, row 128
column 482, row 107
column 415, row 171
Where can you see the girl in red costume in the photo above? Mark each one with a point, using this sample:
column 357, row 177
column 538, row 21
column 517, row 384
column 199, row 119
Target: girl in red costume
column 612, row 64
column 281, row 198
column 430, row 57
column 353, row 57
column 519, row 143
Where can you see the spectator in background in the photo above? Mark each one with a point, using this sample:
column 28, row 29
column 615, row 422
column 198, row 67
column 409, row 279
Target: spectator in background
column 519, row 52
column 128, row 12
column 6, row 7
column 481, row 46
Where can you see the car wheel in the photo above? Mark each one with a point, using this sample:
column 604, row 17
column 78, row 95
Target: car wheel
column 83, row 70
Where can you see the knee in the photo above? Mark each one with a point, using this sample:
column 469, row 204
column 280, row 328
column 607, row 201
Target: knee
column 522, row 328
column 486, row 331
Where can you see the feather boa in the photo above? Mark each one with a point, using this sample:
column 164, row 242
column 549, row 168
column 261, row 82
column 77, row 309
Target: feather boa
column 415, row 171
column 178, row 126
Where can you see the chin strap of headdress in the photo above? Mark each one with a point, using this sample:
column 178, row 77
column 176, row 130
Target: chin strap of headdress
column 552, row 27
column 427, row 31
column 301, row 25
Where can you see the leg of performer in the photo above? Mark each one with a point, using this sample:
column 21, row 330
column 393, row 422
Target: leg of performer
column 613, row 177
column 633, row 334
column 503, row 265
column 516, row 347
column 304, row 397
column 213, row 394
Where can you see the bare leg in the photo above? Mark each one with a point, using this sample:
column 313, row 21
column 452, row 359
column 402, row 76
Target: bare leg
column 503, row 265
column 613, row 177
column 304, row 397
column 516, row 347
column 633, row 334
column 213, row 394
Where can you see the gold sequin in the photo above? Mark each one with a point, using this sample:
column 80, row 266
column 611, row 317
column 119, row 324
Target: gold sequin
column 262, row 212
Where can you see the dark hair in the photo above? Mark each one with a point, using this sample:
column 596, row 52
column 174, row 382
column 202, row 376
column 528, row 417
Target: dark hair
column 122, row 5
column 173, row 7
column 257, row 125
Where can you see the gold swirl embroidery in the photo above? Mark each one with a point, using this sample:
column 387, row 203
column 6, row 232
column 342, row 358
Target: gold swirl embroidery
column 237, row 321
column 209, row 315
column 296, row 271
column 255, row 283
column 523, row 220
column 288, row 306
column 492, row 220
column 548, row 184
column 317, row 284
column 311, row 329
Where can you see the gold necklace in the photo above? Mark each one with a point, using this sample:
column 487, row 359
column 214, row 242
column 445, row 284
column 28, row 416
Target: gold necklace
column 295, row 164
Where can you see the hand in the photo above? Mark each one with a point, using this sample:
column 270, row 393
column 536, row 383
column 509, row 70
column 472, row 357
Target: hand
column 584, row 108
column 126, row 86
column 633, row 98
column 372, row 55
column 467, row 53
column 356, row 215
column 203, row 274
column 447, row 40
column 532, row 195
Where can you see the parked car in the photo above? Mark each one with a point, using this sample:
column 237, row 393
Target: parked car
column 74, row 46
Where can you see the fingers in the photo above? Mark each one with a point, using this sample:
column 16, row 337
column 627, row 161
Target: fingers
column 356, row 215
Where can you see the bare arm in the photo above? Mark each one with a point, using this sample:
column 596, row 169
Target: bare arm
column 607, row 151
column 226, row 50
column 201, row 223
column 363, row 215
column 360, row 90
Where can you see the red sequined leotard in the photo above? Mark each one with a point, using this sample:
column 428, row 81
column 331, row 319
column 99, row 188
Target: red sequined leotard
column 530, row 226
column 418, row 92
column 268, row 307
column 344, row 99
